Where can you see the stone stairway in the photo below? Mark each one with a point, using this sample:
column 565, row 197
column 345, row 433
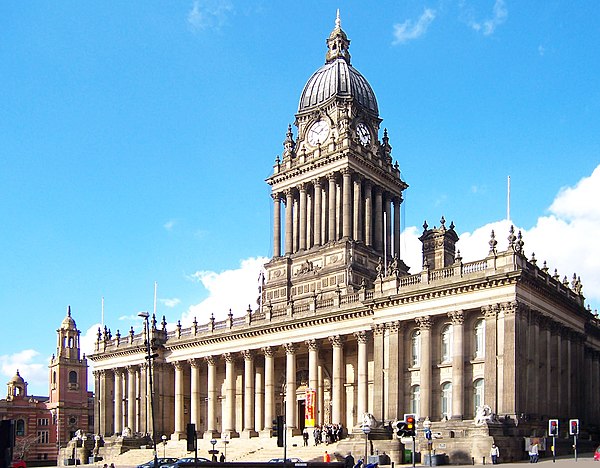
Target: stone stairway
column 255, row 449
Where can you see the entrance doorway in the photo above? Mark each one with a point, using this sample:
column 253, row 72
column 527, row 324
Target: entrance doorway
column 301, row 413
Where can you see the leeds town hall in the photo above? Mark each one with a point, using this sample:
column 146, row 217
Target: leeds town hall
column 481, row 352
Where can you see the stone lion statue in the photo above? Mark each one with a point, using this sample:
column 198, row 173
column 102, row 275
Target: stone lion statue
column 368, row 420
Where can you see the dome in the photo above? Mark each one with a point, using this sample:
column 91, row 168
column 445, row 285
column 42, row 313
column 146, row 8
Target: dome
column 68, row 323
column 337, row 78
column 17, row 379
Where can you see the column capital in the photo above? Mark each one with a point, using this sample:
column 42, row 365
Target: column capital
column 131, row 368
column 119, row 371
column 313, row 345
column 424, row 323
column 228, row 357
column 268, row 351
column 347, row 171
column 290, row 348
column 210, row 360
column 457, row 317
column 490, row 311
column 336, row 341
column 317, row 181
column 276, row 196
column 178, row 365
column 378, row 329
column 396, row 326
column 514, row 307
column 194, row 362
column 332, row 176
column 302, row 186
column 362, row 336
column 247, row 354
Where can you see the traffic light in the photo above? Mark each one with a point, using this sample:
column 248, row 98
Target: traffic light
column 278, row 429
column 191, row 437
column 553, row 427
column 411, row 429
column 399, row 428
column 574, row 426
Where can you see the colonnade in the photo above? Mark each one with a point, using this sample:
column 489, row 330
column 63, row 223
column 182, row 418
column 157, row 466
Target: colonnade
column 528, row 365
column 342, row 205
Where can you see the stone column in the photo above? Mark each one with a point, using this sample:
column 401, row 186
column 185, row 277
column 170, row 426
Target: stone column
column 511, row 313
column 388, row 225
column 358, row 212
column 248, row 431
column 118, row 400
column 313, row 370
column 179, row 432
column 397, row 227
column 211, row 404
column 269, row 390
column 362, row 403
column 368, row 214
column 378, row 234
column 131, row 398
column 276, row 225
column 379, row 401
column 533, row 377
column 317, row 212
column 98, row 410
column 195, row 393
column 347, row 203
column 491, row 380
column 302, row 233
column 331, row 206
column 458, row 364
column 229, row 416
column 259, row 398
column 290, row 387
column 425, row 366
column 289, row 224
column 395, row 404
column 337, row 391
column 543, row 373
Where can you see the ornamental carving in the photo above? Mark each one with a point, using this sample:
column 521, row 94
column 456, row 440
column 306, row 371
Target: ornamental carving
column 290, row 348
column 336, row 341
column 210, row 360
column 424, row 323
column 268, row 351
column 228, row 357
column 194, row 363
column 313, row 345
column 362, row 337
column 247, row 354
column 457, row 317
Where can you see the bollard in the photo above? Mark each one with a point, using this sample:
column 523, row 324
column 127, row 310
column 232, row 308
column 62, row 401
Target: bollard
column 473, row 461
column 484, row 460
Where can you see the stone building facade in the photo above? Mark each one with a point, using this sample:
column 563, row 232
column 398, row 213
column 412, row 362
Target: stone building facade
column 44, row 424
column 341, row 318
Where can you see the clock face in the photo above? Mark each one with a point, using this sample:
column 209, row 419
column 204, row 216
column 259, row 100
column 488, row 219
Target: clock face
column 363, row 133
column 318, row 133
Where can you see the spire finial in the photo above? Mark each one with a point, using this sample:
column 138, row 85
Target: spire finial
column 69, row 310
column 337, row 43
column 338, row 21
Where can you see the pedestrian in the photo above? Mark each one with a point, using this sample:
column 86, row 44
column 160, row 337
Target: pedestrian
column 222, row 458
column 349, row 461
column 305, row 436
column 534, row 452
column 326, row 457
column 495, row 454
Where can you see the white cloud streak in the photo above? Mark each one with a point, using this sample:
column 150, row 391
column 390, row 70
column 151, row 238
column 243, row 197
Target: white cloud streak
column 488, row 26
column 209, row 14
column 410, row 30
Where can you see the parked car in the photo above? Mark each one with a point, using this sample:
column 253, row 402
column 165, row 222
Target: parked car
column 19, row 464
column 597, row 454
column 186, row 461
column 161, row 463
column 290, row 460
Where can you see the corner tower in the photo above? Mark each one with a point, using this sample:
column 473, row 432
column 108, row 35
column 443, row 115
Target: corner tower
column 339, row 188
column 69, row 397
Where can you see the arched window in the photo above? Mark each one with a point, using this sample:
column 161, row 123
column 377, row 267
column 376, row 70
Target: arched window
column 477, row 395
column 54, row 377
column 72, row 377
column 70, row 342
column 20, row 427
column 479, row 331
column 446, row 346
column 446, row 399
column 415, row 348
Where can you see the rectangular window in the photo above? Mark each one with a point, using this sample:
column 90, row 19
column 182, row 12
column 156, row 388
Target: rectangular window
column 43, row 421
column 43, row 437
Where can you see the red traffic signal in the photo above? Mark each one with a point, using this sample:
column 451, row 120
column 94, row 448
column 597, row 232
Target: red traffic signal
column 410, row 425
column 553, row 427
column 574, row 426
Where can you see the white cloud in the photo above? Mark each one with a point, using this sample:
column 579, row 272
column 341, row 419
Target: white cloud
column 230, row 289
column 169, row 225
column 31, row 366
column 170, row 303
column 209, row 14
column 408, row 30
column 488, row 26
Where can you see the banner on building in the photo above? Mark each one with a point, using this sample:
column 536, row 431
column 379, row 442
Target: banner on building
column 309, row 408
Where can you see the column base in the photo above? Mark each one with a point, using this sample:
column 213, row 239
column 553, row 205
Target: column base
column 211, row 434
column 230, row 434
column 265, row 434
column 248, row 434
column 178, row 436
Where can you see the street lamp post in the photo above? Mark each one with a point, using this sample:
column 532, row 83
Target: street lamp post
column 164, row 439
column 150, row 357
column 366, row 430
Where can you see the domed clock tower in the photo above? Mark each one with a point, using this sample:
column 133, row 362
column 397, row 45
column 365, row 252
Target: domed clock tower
column 336, row 190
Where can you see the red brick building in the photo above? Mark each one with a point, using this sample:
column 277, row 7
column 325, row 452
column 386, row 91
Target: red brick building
column 42, row 423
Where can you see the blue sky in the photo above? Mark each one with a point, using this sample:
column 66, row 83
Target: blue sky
column 135, row 138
